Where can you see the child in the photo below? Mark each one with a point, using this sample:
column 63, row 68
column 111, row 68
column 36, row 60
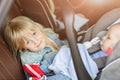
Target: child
column 108, row 44
column 37, row 46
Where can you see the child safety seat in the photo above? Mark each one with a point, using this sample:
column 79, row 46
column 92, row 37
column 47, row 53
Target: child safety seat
column 111, row 64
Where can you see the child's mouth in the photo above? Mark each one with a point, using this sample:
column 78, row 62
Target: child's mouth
column 39, row 43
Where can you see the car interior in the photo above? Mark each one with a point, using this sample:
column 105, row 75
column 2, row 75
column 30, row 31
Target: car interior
column 38, row 10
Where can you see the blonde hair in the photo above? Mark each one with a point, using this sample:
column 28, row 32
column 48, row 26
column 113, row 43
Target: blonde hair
column 15, row 29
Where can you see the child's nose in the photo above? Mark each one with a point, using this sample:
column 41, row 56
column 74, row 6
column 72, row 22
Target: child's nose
column 37, row 38
column 35, row 41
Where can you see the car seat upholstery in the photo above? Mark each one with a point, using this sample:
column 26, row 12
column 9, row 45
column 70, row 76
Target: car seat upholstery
column 38, row 10
column 106, row 20
column 10, row 67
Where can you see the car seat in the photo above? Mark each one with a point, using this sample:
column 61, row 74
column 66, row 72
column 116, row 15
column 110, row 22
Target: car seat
column 37, row 10
column 111, row 63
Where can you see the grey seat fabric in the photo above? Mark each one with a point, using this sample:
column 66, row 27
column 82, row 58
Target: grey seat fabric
column 106, row 20
column 112, row 70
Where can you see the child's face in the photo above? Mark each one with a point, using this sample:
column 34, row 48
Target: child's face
column 111, row 38
column 34, row 40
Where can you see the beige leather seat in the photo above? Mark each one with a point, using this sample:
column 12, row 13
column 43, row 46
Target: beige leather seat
column 38, row 10
column 10, row 67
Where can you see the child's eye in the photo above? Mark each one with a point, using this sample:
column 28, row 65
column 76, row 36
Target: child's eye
column 108, row 37
column 27, row 42
column 34, row 33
